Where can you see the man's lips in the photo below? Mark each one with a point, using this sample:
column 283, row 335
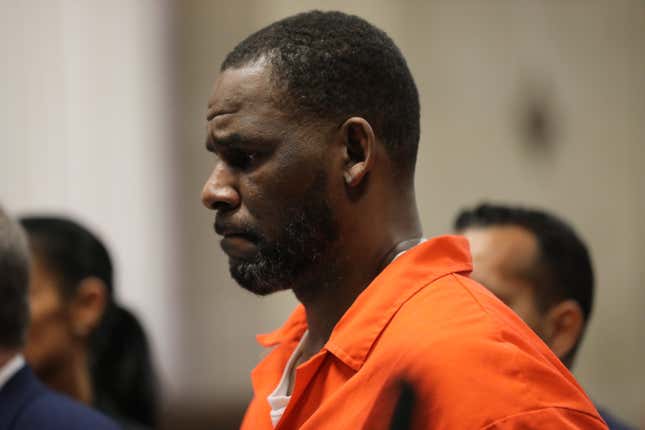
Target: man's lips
column 230, row 231
column 239, row 246
column 236, row 242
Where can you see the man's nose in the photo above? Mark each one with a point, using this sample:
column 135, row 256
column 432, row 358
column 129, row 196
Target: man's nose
column 220, row 191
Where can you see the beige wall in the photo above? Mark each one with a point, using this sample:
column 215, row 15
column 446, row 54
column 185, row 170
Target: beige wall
column 475, row 64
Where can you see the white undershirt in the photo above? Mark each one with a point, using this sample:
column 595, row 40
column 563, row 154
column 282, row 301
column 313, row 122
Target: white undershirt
column 423, row 239
column 279, row 398
column 11, row 368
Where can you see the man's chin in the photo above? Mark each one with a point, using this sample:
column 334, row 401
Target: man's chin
column 250, row 277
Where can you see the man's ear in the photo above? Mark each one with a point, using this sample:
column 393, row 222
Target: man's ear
column 88, row 306
column 360, row 145
column 563, row 328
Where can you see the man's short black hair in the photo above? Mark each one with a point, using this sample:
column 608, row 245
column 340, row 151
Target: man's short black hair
column 564, row 266
column 331, row 65
column 14, row 283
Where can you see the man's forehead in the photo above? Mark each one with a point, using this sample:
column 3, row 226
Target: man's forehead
column 237, row 86
column 511, row 248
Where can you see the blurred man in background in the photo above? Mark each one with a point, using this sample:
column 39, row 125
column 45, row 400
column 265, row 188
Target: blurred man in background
column 536, row 264
column 25, row 404
column 314, row 121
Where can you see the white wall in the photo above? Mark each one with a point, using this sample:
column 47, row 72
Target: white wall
column 86, row 130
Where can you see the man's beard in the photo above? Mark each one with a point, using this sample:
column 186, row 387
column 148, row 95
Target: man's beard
column 299, row 252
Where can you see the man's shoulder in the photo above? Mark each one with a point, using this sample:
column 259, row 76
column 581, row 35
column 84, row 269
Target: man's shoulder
column 461, row 346
column 454, row 321
column 51, row 410
column 450, row 311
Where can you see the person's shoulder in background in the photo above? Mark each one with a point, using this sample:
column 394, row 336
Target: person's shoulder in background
column 612, row 422
column 53, row 411
column 39, row 408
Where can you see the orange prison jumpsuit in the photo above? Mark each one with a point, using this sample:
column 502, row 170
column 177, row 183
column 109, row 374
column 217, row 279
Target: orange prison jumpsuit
column 473, row 362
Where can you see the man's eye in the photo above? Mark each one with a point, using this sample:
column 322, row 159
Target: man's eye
column 241, row 159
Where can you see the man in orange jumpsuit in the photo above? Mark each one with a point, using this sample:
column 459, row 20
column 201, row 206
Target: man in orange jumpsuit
column 314, row 122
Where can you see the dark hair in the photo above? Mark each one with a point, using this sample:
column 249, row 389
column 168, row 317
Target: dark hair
column 564, row 269
column 122, row 372
column 121, row 369
column 333, row 66
column 70, row 251
column 14, row 283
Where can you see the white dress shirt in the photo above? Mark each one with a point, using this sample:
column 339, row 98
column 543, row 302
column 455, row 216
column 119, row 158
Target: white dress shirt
column 11, row 368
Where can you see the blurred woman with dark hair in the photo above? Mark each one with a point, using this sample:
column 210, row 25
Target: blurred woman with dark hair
column 81, row 342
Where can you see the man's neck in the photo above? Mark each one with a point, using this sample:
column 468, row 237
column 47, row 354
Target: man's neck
column 398, row 249
column 325, row 304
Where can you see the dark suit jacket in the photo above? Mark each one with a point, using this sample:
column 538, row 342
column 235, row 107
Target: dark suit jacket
column 612, row 422
column 26, row 404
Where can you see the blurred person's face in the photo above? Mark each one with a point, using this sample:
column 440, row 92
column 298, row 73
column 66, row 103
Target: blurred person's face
column 50, row 338
column 503, row 258
column 270, row 184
